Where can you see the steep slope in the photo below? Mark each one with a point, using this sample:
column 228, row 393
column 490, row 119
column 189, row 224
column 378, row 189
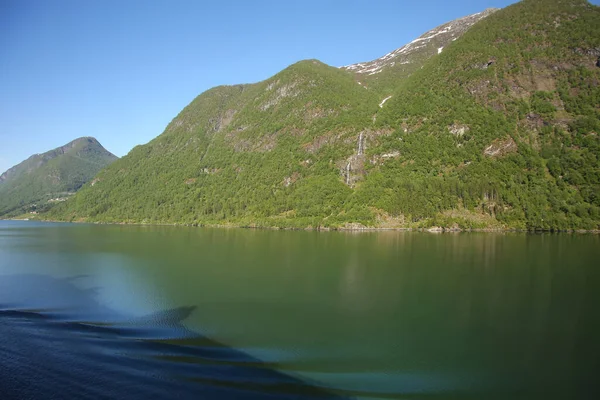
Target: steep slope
column 504, row 122
column 242, row 153
column 387, row 71
column 498, row 130
column 44, row 179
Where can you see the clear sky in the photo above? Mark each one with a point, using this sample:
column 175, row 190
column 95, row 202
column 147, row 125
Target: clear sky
column 120, row 70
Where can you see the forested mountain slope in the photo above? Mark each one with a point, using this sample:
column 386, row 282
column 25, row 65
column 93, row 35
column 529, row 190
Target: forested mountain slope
column 498, row 130
column 43, row 179
column 505, row 122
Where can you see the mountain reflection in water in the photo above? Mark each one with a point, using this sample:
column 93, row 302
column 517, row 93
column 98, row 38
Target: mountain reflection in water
column 57, row 342
column 162, row 312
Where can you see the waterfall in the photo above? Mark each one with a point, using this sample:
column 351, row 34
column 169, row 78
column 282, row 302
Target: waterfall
column 348, row 174
column 360, row 144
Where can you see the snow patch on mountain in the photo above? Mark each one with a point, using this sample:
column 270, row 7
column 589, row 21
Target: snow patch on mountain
column 425, row 45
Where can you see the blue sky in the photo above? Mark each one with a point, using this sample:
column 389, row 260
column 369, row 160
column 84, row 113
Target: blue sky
column 120, row 70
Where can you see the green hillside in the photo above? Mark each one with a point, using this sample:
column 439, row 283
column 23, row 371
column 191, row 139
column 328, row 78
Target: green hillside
column 521, row 93
column 499, row 130
column 49, row 178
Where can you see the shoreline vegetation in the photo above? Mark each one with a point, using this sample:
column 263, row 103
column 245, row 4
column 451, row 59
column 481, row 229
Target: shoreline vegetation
column 354, row 228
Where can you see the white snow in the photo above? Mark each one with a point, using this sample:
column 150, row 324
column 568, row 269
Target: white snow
column 453, row 29
column 373, row 70
column 445, row 30
column 383, row 101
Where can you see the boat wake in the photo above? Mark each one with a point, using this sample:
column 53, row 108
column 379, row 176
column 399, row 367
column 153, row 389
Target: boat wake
column 86, row 351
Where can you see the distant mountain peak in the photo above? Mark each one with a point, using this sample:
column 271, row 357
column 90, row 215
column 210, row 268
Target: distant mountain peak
column 61, row 170
column 428, row 44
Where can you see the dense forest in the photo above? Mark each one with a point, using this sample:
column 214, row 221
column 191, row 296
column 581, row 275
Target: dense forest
column 499, row 130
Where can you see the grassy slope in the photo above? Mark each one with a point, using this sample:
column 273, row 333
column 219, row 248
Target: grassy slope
column 524, row 152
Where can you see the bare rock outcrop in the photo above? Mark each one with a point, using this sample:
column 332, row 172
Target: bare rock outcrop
column 500, row 147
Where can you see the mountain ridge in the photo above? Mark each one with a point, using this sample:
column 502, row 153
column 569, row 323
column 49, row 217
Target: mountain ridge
column 431, row 42
column 496, row 131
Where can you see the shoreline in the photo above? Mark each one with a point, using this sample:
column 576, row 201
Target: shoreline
column 434, row 229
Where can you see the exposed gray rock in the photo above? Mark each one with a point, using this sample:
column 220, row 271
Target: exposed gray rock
column 458, row 129
column 593, row 52
column 500, row 147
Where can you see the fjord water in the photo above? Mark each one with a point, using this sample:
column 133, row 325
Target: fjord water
column 362, row 315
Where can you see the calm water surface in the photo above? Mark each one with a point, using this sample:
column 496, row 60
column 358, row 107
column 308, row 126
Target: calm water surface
column 126, row 311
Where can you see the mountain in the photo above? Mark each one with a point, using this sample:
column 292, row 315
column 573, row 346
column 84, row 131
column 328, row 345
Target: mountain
column 390, row 69
column 48, row 178
column 496, row 130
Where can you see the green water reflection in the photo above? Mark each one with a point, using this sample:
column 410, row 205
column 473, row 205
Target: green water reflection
column 383, row 314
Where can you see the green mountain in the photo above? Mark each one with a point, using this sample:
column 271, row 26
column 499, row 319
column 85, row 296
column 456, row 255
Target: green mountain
column 49, row 178
column 497, row 129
